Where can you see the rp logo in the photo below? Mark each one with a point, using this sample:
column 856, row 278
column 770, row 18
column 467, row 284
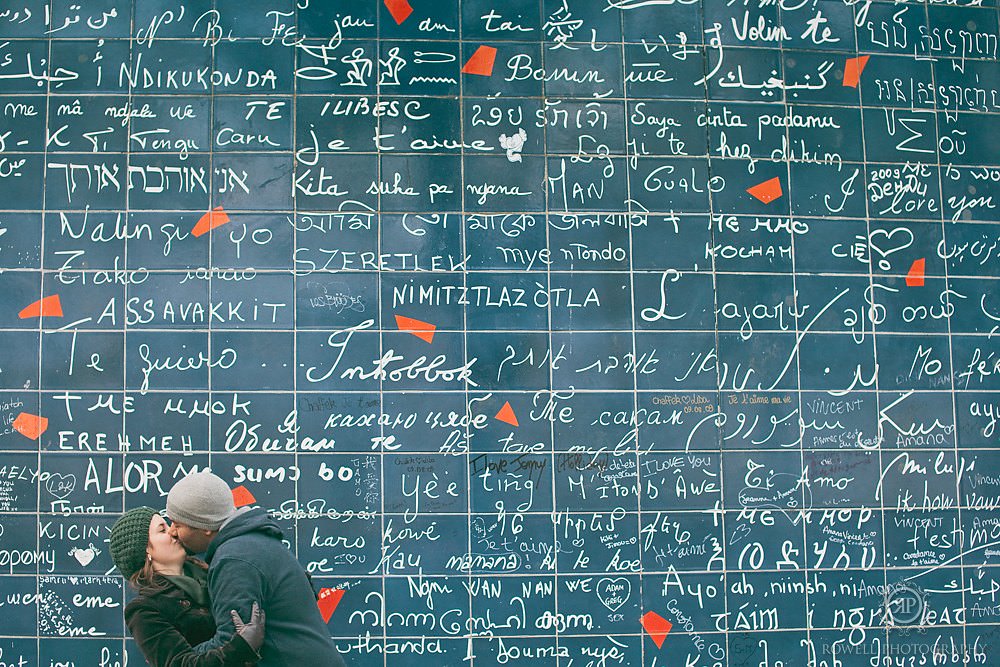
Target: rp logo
column 904, row 603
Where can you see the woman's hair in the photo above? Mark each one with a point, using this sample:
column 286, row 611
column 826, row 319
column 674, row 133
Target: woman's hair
column 147, row 581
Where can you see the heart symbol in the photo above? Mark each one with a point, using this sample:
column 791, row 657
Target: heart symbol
column 60, row 485
column 657, row 627
column 242, row 496
column 327, row 602
column 613, row 593
column 889, row 247
column 84, row 556
column 741, row 531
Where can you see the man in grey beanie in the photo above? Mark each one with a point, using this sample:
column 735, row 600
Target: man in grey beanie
column 248, row 562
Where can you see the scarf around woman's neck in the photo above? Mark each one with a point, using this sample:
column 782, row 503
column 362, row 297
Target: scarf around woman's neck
column 194, row 582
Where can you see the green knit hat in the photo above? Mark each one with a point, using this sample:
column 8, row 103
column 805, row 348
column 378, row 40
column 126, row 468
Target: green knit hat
column 129, row 539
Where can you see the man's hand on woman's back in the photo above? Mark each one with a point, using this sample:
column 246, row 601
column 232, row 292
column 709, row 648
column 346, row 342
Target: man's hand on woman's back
column 253, row 630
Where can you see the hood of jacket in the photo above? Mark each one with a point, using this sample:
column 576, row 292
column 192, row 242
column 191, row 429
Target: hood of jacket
column 243, row 522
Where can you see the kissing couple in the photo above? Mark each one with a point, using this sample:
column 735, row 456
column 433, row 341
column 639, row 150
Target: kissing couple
column 190, row 612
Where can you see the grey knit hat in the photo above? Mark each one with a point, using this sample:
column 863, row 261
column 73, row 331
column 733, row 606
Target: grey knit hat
column 200, row 500
column 129, row 539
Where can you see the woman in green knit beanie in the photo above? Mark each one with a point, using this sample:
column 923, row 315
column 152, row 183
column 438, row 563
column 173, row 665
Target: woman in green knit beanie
column 171, row 612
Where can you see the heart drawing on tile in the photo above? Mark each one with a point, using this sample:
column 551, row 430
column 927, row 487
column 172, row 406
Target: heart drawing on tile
column 884, row 244
column 60, row 485
column 739, row 532
column 613, row 593
column 84, row 556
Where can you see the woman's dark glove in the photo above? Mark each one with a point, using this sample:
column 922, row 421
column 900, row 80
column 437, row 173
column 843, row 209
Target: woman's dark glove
column 253, row 630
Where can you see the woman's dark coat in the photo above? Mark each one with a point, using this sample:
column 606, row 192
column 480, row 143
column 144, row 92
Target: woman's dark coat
column 167, row 623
